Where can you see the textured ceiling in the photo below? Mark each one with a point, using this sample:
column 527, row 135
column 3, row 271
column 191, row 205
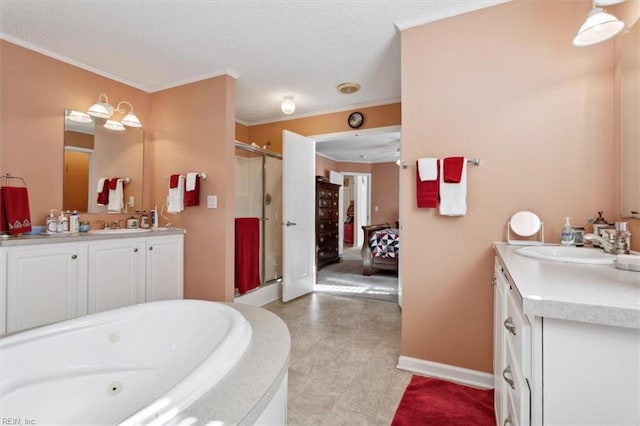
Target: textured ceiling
column 278, row 47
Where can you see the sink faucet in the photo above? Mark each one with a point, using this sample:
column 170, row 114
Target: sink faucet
column 606, row 245
column 115, row 224
column 617, row 241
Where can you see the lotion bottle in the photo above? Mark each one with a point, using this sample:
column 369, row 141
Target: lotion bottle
column 74, row 222
column 567, row 237
column 63, row 223
column 52, row 223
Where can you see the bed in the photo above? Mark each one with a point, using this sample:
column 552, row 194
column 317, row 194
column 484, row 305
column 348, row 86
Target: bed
column 381, row 248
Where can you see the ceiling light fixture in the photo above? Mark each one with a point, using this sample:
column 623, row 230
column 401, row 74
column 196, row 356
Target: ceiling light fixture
column 348, row 88
column 288, row 106
column 102, row 109
column 598, row 27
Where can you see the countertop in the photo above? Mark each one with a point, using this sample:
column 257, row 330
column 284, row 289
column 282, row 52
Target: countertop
column 599, row 294
column 25, row 240
column 243, row 394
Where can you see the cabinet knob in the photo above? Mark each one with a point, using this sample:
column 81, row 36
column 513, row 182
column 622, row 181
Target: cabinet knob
column 74, row 256
column 510, row 326
column 494, row 282
column 135, row 250
column 506, row 375
column 151, row 248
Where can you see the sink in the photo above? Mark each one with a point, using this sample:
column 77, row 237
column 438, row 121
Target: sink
column 119, row 231
column 569, row 254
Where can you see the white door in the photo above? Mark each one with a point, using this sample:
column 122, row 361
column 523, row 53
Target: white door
column 361, row 208
column 338, row 179
column 298, row 193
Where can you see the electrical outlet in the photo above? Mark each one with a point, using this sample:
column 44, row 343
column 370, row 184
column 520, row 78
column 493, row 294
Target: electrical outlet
column 212, row 201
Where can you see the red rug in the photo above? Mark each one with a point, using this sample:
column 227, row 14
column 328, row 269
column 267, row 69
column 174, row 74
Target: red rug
column 428, row 401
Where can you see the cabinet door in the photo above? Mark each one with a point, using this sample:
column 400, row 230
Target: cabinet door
column 45, row 285
column 116, row 274
column 165, row 273
column 499, row 363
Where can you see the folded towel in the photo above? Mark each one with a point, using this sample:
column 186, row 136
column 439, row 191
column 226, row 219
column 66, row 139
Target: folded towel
column 453, row 169
column 116, row 195
column 103, row 191
column 453, row 196
column 15, row 217
column 192, row 190
column 247, row 253
column 173, row 181
column 428, row 169
column 176, row 196
column 427, row 191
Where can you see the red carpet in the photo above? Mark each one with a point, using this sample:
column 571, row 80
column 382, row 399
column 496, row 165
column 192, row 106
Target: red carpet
column 428, row 401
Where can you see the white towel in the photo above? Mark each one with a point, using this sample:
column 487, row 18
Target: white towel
column 116, row 198
column 453, row 196
column 100, row 185
column 191, row 181
column 175, row 203
column 427, row 169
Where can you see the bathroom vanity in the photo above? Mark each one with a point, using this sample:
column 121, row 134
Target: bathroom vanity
column 566, row 342
column 44, row 279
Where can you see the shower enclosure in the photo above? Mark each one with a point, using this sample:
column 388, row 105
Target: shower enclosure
column 258, row 192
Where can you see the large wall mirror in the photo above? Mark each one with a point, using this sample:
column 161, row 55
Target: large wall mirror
column 630, row 123
column 92, row 153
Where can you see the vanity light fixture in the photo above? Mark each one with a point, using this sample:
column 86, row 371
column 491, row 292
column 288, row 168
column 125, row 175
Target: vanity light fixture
column 288, row 106
column 102, row 109
column 79, row 117
column 599, row 26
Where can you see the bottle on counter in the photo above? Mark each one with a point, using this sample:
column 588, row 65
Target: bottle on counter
column 74, row 222
column 144, row 220
column 567, row 236
column 52, row 223
column 63, row 223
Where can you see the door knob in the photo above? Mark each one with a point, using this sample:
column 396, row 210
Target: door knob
column 290, row 223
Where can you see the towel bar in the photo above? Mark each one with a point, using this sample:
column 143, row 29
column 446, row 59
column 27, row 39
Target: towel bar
column 472, row 161
column 203, row 176
column 7, row 177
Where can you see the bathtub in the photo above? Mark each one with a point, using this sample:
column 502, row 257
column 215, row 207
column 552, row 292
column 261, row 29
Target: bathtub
column 141, row 364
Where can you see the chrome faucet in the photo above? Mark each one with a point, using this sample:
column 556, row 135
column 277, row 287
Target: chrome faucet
column 617, row 242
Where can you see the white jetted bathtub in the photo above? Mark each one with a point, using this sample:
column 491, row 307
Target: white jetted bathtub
column 137, row 365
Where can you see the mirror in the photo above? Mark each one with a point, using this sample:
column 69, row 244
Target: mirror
column 630, row 123
column 92, row 152
column 525, row 224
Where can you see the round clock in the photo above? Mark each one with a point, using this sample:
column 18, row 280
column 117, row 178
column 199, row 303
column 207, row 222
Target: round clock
column 355, row 120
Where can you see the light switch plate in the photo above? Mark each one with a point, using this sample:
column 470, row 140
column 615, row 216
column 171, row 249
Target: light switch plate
column 212, row 201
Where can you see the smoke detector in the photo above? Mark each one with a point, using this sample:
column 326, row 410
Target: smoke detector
column 348, row 88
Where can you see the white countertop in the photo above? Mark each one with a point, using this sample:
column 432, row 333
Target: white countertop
column 599, row 294
column 24, row 240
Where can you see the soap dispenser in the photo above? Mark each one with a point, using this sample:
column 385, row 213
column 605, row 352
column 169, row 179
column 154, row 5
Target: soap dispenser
column 52, row 223
column 567, row 237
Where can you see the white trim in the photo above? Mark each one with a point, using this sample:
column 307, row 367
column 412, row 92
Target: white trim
column 261, row 296
column 446, row 371
column 411, row 23
column 325, row 137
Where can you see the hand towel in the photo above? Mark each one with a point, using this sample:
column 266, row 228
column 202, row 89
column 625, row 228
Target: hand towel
column 173, row 181
column 15, row 216
column 247, row 253
column 453, row 169
column 192, row 190
column 176, row 196
column 116, row 196
column 453, row 196
column 427, row 191
column 103, row 191
column 428, row 169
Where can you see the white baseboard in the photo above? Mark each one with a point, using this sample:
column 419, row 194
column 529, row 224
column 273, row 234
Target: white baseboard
column 446, row 372
column 261, row 296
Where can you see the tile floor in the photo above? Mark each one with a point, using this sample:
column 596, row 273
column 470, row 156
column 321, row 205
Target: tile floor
column 343, row 356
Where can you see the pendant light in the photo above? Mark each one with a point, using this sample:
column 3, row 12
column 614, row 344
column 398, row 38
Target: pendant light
column 598, row 27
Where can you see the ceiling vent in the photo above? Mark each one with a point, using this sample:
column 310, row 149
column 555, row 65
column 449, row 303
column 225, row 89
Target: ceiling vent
column 348, row 88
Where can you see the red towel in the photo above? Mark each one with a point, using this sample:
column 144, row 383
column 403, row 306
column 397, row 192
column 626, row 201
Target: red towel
column 427, row 192
column 247, row 253
column 452, row 169
column 103, row 196
column 113, row 183
column 173, row 181
column 15, row 217
column 192, row 198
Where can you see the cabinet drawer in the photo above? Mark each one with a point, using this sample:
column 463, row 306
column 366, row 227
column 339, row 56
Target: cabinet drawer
column 323, row 202
column 327, row 239
column 326, row 253
column 518, row 332
column 327, row 213
column 517, row 390
column 328, row 226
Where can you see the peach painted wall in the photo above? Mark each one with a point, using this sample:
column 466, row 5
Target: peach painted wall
column 385, row 193
column 538, row 112
column 629, row 12
column 193, row 129
column 242, row 133
column 378, row 116
column 35, row 91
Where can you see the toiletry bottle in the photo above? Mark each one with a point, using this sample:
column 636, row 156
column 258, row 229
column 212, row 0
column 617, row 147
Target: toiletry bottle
column 63, row 223
column 567, row 237
column 74, row 222
column 144, row 220
column 154, row 216
column 52, row 223
column 132, row 223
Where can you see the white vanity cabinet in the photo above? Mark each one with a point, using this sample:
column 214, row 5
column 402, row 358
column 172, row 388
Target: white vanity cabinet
column 49, row 279
column 44, row 284
column 566, row 343
column 116, row 274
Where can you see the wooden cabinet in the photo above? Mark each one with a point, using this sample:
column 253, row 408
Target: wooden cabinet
column 44, row 284
column 326, row 222
column 116, row 274
column 164, row 268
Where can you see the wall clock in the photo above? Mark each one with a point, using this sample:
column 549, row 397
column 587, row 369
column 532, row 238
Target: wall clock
column 355, row 120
